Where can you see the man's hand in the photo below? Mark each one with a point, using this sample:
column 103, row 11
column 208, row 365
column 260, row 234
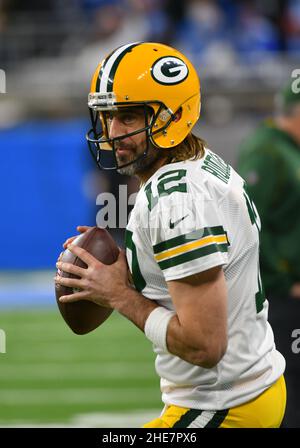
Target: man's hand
column 102, row 284
column 295, row 291
column 80, row 229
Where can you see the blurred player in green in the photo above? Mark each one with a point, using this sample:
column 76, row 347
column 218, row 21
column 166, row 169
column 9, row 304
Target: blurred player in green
column 269, row 161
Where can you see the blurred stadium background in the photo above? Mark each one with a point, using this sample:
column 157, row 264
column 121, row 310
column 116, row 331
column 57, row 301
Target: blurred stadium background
column 244, row 52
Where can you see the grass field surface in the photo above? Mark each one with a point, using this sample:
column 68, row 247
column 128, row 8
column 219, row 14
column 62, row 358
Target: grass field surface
column 50, row 376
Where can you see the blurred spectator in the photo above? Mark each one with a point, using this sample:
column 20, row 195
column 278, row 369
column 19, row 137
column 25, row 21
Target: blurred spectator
column 270, row 164
column 111, row 26
column 292, row 26
column 3, row 15
column 30, row 5
column 172, row 15
column 203, row 26
column 255, row 34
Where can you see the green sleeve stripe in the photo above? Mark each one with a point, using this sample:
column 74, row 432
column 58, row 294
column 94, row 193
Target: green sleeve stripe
column 137, row 276
column 128, row 239
column 188, row 238
column 192, row 255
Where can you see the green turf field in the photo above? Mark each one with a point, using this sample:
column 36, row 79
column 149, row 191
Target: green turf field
column 49, row 375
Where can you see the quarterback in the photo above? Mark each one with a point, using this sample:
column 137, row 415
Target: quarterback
column 192, row 246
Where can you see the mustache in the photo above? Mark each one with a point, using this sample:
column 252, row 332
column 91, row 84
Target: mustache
column 122, row 145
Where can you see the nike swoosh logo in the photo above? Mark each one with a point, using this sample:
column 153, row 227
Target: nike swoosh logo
column 173, row 224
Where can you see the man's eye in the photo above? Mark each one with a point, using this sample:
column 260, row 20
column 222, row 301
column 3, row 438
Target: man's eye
column 128, row 118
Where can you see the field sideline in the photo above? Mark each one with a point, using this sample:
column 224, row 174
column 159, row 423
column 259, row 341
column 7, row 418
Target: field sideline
column 51, row 376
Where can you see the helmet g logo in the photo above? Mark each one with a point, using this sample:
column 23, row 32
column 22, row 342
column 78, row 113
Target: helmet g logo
column 169, row 70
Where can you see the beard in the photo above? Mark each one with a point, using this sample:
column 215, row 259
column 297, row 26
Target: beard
column 139, row 166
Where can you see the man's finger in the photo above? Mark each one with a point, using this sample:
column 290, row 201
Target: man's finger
column 83, row 295
column 70, row 268
column 69, row 241
column 82, row 254
column 83, row 229
column 69, row 282
column 60, row 256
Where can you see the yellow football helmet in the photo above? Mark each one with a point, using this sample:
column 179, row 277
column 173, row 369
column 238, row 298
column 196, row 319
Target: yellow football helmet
column 150, row 75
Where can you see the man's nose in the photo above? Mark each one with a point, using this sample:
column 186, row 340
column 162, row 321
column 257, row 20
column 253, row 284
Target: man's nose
column 116, row 128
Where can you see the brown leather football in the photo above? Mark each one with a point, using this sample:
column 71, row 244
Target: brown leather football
column 84, row 316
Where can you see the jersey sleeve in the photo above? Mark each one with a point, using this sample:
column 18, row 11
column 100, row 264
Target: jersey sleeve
column 187, row 233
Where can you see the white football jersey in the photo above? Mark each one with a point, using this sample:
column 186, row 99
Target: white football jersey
column 189, row 217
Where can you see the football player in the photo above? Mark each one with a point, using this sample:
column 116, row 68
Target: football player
column 274, row 147
column 192, row 245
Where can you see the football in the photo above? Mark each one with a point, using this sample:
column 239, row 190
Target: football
column 84, row 316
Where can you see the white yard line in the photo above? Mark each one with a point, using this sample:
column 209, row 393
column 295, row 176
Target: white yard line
column 127, row 419
column 46, row 397
column 76, row 371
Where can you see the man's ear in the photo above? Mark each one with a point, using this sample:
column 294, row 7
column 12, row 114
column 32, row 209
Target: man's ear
column 177, row 115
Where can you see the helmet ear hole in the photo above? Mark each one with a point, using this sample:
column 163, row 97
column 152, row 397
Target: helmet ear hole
column 177, row 115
